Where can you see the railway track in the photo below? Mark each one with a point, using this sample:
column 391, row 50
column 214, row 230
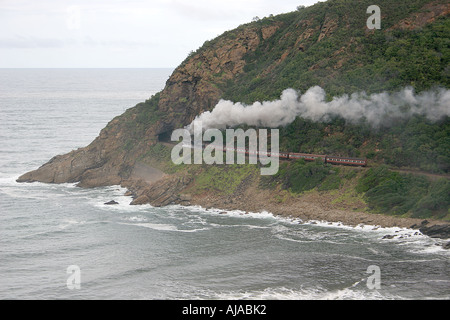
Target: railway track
column 309, row 157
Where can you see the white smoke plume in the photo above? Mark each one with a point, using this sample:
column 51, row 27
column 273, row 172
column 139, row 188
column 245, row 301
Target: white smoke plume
column 374, row 108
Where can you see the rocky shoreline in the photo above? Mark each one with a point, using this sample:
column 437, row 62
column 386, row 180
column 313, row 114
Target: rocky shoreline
column 313, row 212
column 434, row 229
column 176, row 189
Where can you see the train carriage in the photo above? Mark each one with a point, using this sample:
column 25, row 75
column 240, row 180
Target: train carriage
column 307, row 157
column 347, row 161
column 281, row 155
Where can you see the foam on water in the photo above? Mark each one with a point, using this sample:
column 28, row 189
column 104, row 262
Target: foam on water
column 303, row 293
column 413, row 239
column 136, row 219
column 154, row 226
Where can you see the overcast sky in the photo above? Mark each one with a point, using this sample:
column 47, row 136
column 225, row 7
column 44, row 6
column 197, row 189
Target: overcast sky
column 118, row 33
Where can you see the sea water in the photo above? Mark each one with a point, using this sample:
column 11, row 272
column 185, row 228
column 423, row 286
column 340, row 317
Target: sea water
column 175, row 252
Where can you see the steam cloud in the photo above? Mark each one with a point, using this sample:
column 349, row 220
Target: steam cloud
column 375, row 108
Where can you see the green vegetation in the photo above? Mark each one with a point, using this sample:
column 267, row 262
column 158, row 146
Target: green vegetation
column 415, row 142
column 399, row 194
column 379, row 188
column 139, row 118
column 224, row 179
column 147, row 112
column 299, row 176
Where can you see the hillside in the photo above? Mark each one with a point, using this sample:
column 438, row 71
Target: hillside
column 326, row 45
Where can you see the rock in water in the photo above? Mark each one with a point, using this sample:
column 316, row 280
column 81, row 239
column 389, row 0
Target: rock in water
column 437, row 231
column 111, row 202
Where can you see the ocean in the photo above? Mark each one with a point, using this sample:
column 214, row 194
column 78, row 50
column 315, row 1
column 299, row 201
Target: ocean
column 63, row 242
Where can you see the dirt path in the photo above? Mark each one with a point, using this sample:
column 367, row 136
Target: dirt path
column 432, row 176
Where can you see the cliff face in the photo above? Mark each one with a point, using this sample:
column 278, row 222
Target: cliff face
column 193, row 87
column 316, row 45
column 98, row 164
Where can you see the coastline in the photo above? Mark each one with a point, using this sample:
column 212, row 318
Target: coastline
column 312, row 208
column 307, row 211
column 182, row 189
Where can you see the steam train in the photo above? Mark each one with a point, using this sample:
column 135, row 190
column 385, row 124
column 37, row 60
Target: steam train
column 359, row 162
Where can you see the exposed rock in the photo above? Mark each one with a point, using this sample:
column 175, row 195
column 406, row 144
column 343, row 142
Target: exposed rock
column 102, row 163
column 194, row 80
column 427, row 14
column 112, row 202
column 185, row 197
column 441, row 231
column 164, row 192
column 141, row 171
column 328, row 28
column 267, row 32
column 143, row 199
column 128, row 194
